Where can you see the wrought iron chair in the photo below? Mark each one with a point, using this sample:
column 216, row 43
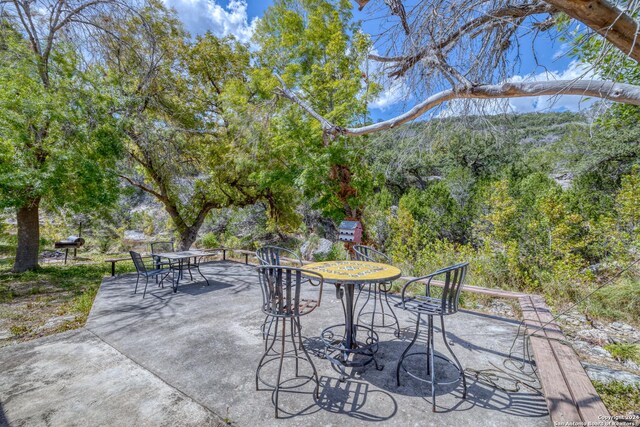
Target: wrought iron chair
column 378, row 290
column 143, row 271
column 274, row 255
column 159, row 247
column 282, row 289
column 445, row 305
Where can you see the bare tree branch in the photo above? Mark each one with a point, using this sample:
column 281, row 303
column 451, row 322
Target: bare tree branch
column 486, row 20
column 618, row 92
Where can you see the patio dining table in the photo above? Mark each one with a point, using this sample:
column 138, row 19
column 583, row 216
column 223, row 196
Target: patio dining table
column 181, row 257
column 342, row 345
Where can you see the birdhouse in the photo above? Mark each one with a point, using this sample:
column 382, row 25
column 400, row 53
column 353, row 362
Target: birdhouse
column 350, row 231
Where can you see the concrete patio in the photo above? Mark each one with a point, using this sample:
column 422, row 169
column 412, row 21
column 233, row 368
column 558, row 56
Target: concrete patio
column 189, row 359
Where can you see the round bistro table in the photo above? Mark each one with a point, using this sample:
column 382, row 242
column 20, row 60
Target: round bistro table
column 342, row 346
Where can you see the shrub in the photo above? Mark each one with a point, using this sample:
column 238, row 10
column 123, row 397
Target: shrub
column 209, row 241
column 624, row 351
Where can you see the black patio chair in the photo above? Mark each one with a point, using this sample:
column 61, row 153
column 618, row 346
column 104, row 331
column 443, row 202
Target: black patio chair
column 160, row 247
column 282, row 292
column 145, row 272
column 445, row 305
column 379, row 291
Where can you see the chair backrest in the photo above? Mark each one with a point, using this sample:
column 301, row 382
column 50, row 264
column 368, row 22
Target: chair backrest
column 160, row 247
column 282, row 289
column 272, row 255
column 453, row 281
column 367, row 253
column 138, row 262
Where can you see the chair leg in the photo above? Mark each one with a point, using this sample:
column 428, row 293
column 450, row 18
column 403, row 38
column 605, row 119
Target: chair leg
column 146, row 282
column 393, row 314
column 406, row 350
column 137, row 280
column 315, row 373
column 431, row 364
column 429, row 341
column 464, row 380
column 264, row 355
column 366, row 301
column 277, row 390
column 293, row 342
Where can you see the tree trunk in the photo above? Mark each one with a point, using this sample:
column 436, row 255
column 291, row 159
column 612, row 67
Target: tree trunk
column 188, row 237
column 28, row 236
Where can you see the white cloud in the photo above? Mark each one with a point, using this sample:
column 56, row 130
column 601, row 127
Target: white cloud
column 396, row 92
column 200, row 16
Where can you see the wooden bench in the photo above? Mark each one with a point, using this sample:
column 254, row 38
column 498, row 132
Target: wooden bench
column 113, row 262
column 224, row 251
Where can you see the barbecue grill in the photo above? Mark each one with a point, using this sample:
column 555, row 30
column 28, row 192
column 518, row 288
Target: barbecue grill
column 71, row 242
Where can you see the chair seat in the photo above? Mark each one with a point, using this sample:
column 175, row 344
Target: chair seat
column 152, row 273
column 423, row 305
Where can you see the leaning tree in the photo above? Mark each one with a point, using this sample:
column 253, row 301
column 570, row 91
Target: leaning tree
column 465, row 50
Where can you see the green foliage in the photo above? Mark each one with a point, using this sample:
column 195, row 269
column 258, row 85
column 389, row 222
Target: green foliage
column 210, row 241
column 618, row 397
column 518, row 228
column 617, row 301
column 317, row 49
column 624, row 351
column 57, row 140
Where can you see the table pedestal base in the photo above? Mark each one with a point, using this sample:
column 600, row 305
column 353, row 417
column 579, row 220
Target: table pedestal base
column 342, row 355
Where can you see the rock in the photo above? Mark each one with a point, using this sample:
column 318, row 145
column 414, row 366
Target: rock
column 573, row 318
column 631, row 365
column 5, row 334
column 305, row 249
column 55, row 322
column 607, row 375
column 593, row 336
column 501, row 308
column 135, row 236
column 323, row 248
column 591, row 350
column 622, row 327
column 52, row 254
column 320, row 249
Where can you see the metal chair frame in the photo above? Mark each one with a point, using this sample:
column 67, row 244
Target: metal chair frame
column 142, row 270
column 367, row 253
column 272, row 255
column 427, row 305
column 282, row 301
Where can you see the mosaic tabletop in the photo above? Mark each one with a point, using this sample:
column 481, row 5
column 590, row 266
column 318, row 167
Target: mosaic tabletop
column 354, row 271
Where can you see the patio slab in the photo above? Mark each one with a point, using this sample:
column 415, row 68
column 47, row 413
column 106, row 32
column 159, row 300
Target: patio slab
column 204, row 344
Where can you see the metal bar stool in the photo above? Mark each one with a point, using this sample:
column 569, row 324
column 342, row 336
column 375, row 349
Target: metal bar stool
column 283, row 302
column 273, row 255
column 427, row 305
column 378, row 290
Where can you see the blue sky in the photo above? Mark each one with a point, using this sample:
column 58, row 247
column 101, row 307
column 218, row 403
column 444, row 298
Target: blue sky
column 239, row 17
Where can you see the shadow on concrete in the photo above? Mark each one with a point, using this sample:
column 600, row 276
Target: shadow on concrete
column 199, row 288
column 3, row 418
column 356, row 399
